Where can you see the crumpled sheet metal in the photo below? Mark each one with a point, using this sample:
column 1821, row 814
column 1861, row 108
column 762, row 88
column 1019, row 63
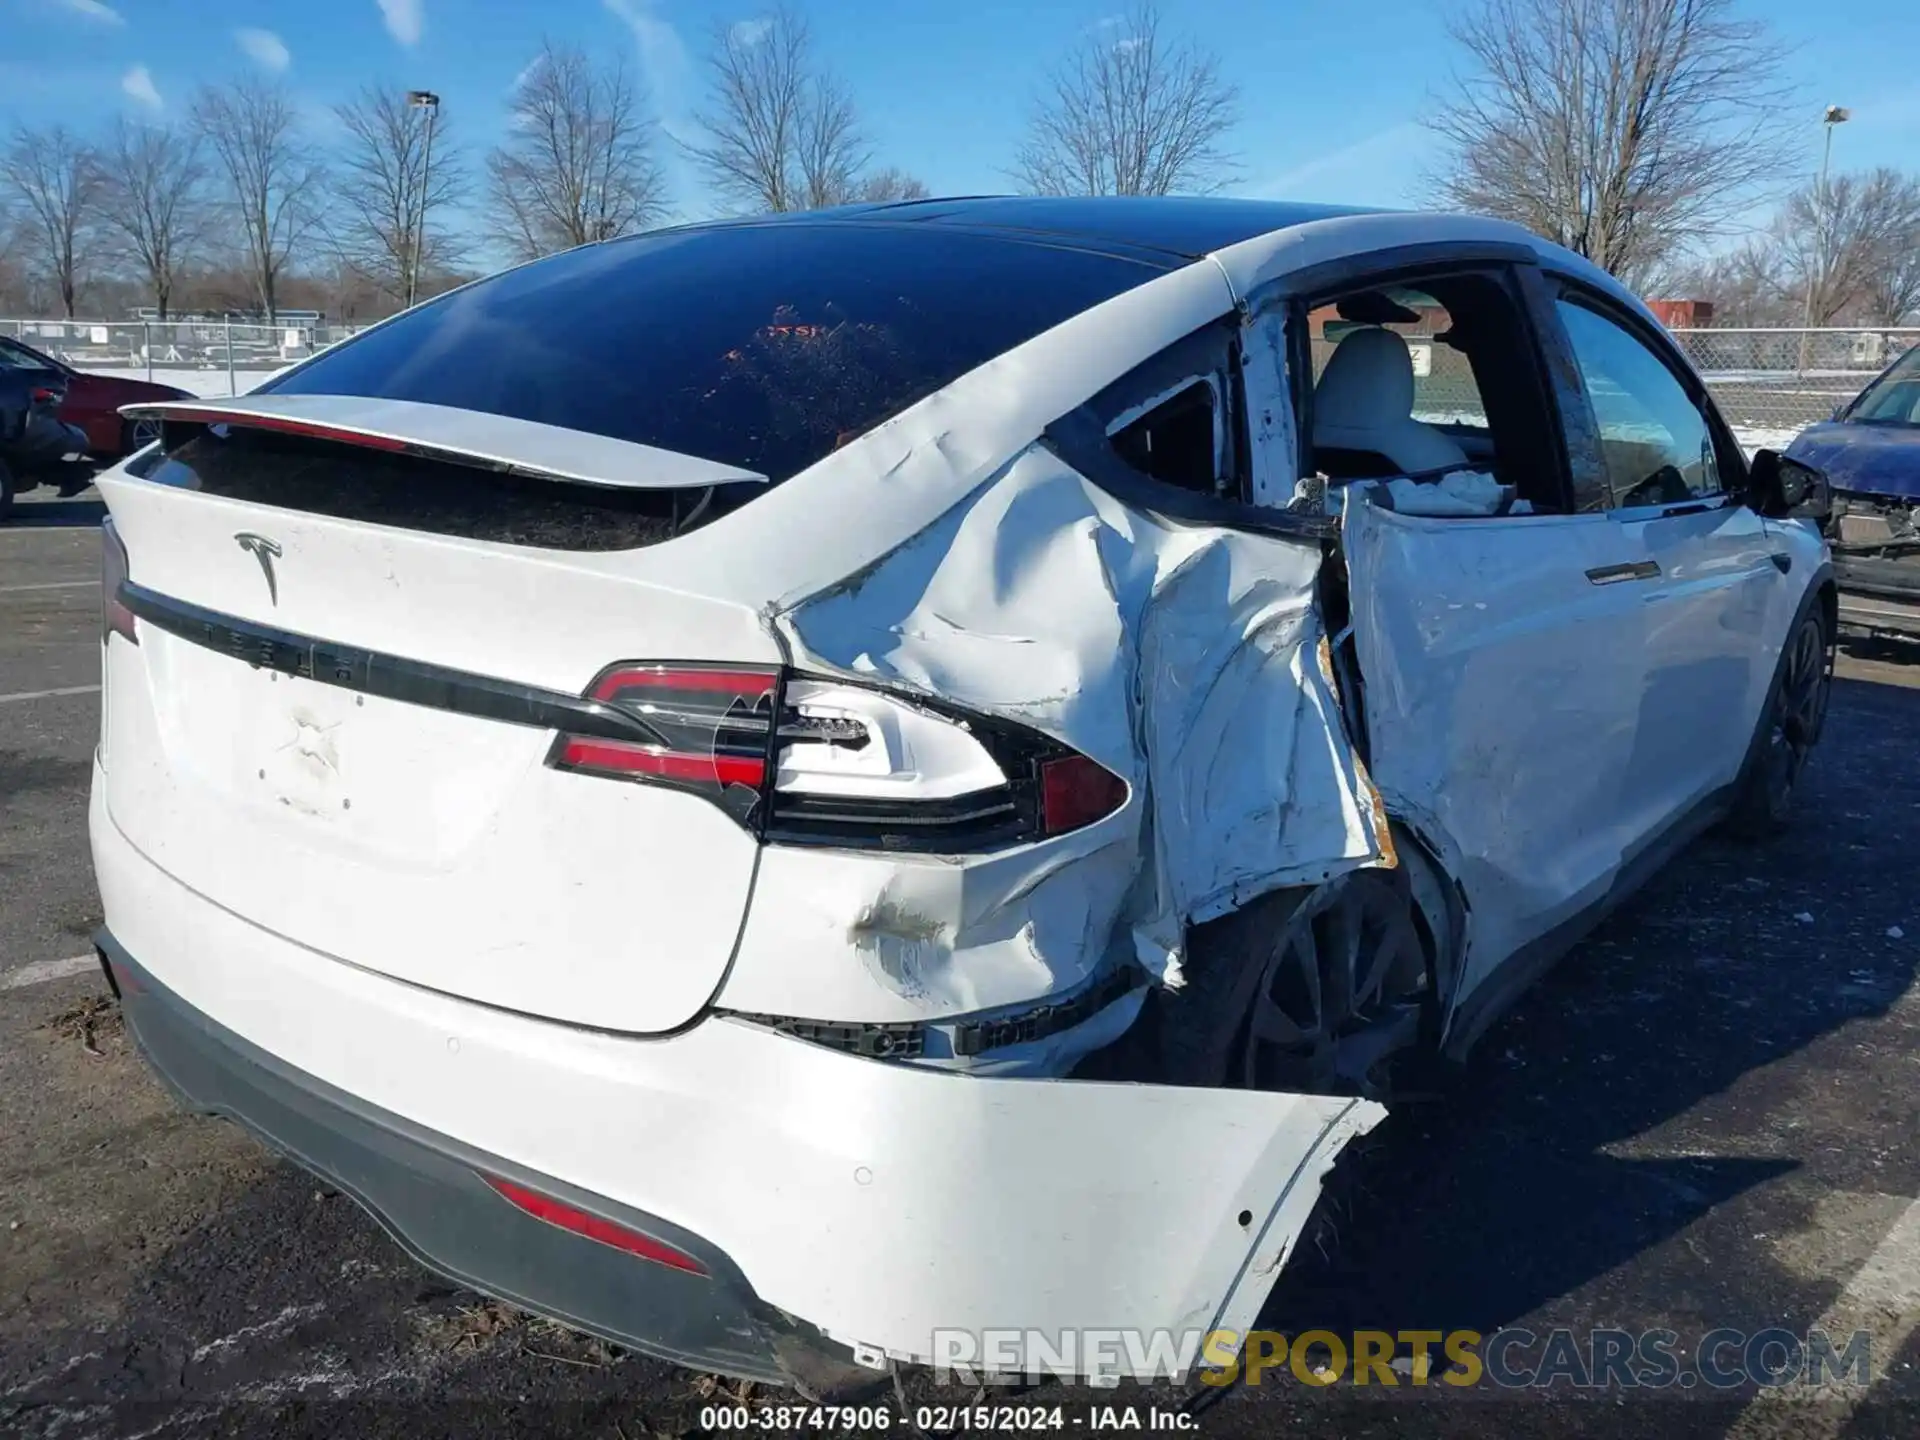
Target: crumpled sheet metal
column 1181, row 657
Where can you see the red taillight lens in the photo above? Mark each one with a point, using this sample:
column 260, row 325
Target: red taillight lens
column 593, row 1227
column 851, row 766
column 115, row 617
column 40, row 395
column 1075, row 791
column 709, row 728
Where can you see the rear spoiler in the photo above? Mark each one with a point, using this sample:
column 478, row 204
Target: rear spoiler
column 461, row 437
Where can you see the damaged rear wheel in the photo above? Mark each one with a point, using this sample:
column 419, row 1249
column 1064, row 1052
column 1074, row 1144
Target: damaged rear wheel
column 1308, row 990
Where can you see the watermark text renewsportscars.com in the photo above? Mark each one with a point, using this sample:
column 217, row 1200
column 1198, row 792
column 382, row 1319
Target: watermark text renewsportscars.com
column 1513, row 1358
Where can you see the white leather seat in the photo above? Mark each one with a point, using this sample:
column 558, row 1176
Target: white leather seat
column 1364, row 402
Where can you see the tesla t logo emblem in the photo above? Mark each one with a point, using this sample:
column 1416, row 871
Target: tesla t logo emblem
column 266, row 552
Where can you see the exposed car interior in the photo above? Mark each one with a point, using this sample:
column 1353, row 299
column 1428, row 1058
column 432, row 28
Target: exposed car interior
column 1426, row 382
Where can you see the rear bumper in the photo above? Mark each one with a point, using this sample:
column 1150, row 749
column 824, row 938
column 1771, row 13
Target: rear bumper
column 1879, row 595
column 427, row 1190
column 844, row 1208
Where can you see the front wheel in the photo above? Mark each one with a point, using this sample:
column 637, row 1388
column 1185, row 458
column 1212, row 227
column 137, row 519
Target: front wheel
column 1790, row 726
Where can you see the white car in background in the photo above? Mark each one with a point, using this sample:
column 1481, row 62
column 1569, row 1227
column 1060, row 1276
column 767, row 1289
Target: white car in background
column 665, row 772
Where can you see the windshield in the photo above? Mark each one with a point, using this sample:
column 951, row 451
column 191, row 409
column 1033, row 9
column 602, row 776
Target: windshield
column 15, row 356
column 1893, row 399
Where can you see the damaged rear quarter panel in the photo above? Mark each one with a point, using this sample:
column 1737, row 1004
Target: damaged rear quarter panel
column 1182, row 657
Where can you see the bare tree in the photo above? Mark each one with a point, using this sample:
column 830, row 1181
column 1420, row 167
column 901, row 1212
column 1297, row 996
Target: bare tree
column 879, row 187
column 1746, row 286
column 578, row 164
column 1835, row 237
column 1618, row 128
column 781, row 133
column 154, row 188
column 1893, row 290
column 272, row 179
column 387, row 187
column 56, row 182
column 1130, row 112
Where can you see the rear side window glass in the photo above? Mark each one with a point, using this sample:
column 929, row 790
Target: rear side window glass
column 761, row 346
column 1176, row 440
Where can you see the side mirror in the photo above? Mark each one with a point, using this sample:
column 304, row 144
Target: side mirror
column 1782, row 488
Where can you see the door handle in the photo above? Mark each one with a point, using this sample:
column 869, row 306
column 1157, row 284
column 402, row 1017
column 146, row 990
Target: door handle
column 1632, row 570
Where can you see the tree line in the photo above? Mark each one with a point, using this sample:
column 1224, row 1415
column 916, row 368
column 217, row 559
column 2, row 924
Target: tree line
column 1646, row 135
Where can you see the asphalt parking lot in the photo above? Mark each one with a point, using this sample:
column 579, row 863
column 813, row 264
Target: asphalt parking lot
column 1704, row 1119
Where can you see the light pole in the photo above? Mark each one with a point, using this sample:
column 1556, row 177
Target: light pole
column 1836, row 115
column 428, row 101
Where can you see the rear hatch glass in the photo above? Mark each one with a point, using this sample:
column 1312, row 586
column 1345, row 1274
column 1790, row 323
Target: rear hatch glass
column 763, row 346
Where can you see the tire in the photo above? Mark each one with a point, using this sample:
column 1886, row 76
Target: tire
column 1318, row 990
column 6, row 491
column 136, row 435
column 1789, row 728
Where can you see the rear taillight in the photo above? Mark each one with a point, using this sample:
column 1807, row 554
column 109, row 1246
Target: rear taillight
column 41, row 395
column 710, row 730
column 593, row 1227
column 115, row 617
column 846, row 765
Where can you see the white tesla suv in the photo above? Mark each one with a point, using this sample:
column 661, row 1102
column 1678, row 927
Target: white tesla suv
column 668, row 772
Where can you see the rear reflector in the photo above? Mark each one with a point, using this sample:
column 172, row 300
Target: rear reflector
column 593, row 1227
column 1075, row 791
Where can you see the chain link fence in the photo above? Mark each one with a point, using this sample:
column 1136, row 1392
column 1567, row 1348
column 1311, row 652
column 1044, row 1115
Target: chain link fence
column 203, row 357
column 1770, row 384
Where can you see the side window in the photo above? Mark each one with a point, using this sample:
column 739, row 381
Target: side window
column 1175, row 417
column 1433, row 385
column 1657, row 447
column 1176, row 438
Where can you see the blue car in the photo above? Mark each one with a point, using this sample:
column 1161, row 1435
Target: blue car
column 1870, row 452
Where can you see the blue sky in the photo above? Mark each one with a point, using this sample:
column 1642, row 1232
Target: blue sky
column 1332, row 92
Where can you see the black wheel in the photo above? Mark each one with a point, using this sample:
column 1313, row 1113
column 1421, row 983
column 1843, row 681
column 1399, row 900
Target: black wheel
column 1307, row 990
column 1789, row 728
column 136, row 435
column 6, row 491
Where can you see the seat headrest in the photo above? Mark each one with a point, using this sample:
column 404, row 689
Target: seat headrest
column 1364, row 403
column 1370, row 375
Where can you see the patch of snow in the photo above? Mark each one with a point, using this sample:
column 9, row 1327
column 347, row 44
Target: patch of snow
column 1758, row 437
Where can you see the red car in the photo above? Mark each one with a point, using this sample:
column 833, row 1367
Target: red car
column 93, row 401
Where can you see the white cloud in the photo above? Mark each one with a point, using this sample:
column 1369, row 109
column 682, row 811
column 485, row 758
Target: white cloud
column 1381, row 161
column 92, row 10
column 265, row 49
column 663, row 56
column 526, row 74
column 749, row 32
column 137, row 84
column 406, row 20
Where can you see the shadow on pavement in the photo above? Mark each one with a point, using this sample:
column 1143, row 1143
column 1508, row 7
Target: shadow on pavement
column 1512, row 1190
column 84, row 510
